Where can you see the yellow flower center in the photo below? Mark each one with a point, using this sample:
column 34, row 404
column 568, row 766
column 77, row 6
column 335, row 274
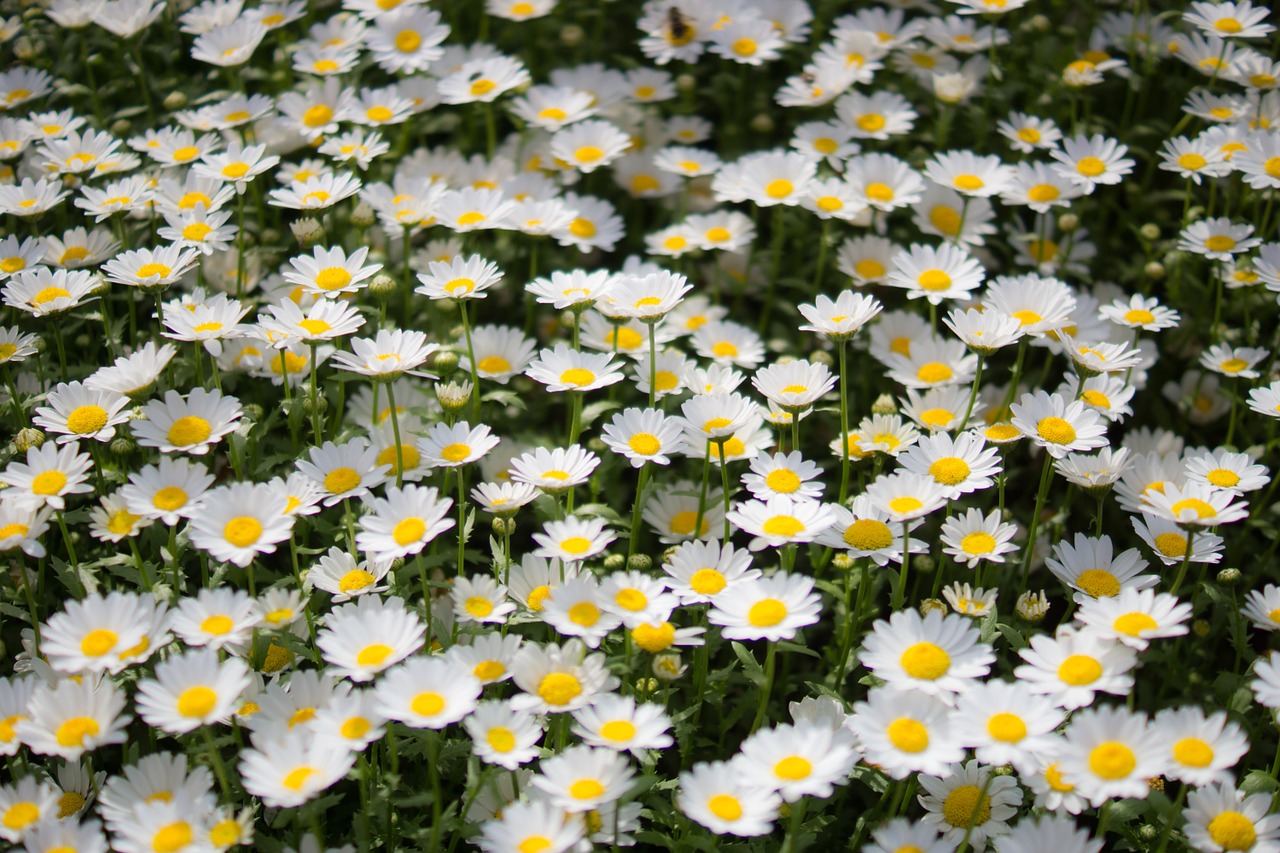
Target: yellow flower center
column 1219, row 243
column 1112, row 760
column 725, row 807
column 196, row 701
column 979, row 542
column 1056, row 430
column 153, row 269
column 654, row 638
column 1193, row 752
column 793, row 768
column 926, row 661
column 501, row 739
column 73, row 731
column 766, row 613
column 1079, row 670
column 908, row 735
column 1090, row 167
column 172, row 837
column 86, row 420
column 189, row 430
column 934, row 372
column 967, row 806
column 619, row 731
column 934, row 280
column 242, row 531
column 868, row 534
column 559, row 688
column 584, row 613
column 1232, row 830
column 408, row 530
column 98, row 642
column 906, row 504
column 783, row 525
column 779, row 188
column 1172, row 544
column 707, row 581
column 48, row 483
column 1098, row 583
column 427, row 704
column 578, row 377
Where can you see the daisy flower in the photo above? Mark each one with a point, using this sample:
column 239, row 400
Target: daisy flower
column 1169, row 541
column 702, row 570
column 1058, row 426
column 1194, row 505
column 536, row 825
column 386, row 356
column 945, row 272
column 459, row 278
column 1233, row 361
column 972, row 537
column 324, row 320
column 1091, row 161
column 192, row 690
column 1240, row 19
column 716, row 796
column 363, row 638
column 1111, row 752
column 1220, row 818
column 1088, row 566
column 970, row 802
column 1262, row 607
column 573, row 539
column 480, row 599
column 1218, row 239
column 151, row 268
column 781, row 520
column 75, row 412
column 937, row 655
column 557, row 678
column 240, row 521
column 24, row 806
column 1202, row 749
column 73, row 717
column 339, row 574
column 767, row 608
column 805, row 759
column 331, row 271
column 1135, row 617
column 402, row 523
column 317, row 193
column 171, row 490
column 1027, row 133
column 566, row 369
column 288, row 771
column 41, row 292
column 503, row 736
column 1072, row 666
column 620, row 723
column 344, row 471
column 906, row 496
column 51, row 473
column 963, row 464
column 643, row 435
column 191, row 425
column 554, row 470
column 1005, row 723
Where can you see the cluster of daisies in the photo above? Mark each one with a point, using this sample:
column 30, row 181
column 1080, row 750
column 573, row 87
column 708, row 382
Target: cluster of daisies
column 541, row 428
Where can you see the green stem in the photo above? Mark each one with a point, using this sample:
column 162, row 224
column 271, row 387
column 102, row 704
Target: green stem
column 315, row 398
column 770, row 667
column 1186, row 561
column 900, row 591
column 395, row 434
column 1045, row 476
column 844, row 420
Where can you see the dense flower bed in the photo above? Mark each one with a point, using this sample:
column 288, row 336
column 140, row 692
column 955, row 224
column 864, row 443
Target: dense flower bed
column 758, row 424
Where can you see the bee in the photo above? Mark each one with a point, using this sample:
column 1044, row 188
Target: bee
column 678, row 25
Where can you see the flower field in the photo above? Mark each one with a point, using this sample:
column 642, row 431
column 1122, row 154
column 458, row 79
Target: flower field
column 571, row 425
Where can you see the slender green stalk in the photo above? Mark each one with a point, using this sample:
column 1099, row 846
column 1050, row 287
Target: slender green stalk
column 900, row 591
column 843, row 347
column 395, row 434
column 1046, row 473
column 770, row 668
column 315, row 397
column 1186, row 561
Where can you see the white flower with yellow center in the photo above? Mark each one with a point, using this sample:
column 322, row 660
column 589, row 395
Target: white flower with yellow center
column 863, row 531
column 317, row 193
column 191, row 425
column 970, row 802
column 906, row 496
column 73, row 717
column 1135, row 617
column 565, row 369
column 1006, row 724
column 402, row 523
column 96, row 633
column 1220, row 818
column 936, row 273
column 905, row 732
column 343, row 577
column 716, row 796
column 1092, row 161
column 554, row 470
column 935, row 654
column 488, row 656
column 241, row 521
column 972, row 538
column 643, row 435
column 804, row 759
column 573, row 539
column 459, row 278
column 151, row 268
column 483, row 80
column 502, row 735
column 451, row 446
column 1027, row 133
column 169, row 491
column 40, row 292
column 192, row 690
column 363, row 638
column 480, row 599
column 702, row 570
column 238, row 164
column 1194, row 505
column 24, row 806
column 574, row 609
column 589, row 145
column 781, row 520
column 1074, row 665
column 1262, row 607
column 1058, row 426
column 768, row 608
column 427, row 693
column 344, row 471
column 1202, row 749
column 52, row 473
column 1112, row 752
column 289, row 771
column 329, row 272
column 962, row 465
column 75, row 412
column 621, row 724
column 556, row 678
column 351, row 720
column 969, row 174
column 535, row 825
column 199, row 229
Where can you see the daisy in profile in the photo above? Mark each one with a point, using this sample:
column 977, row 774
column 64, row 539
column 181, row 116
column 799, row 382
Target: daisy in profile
column 331, row 271
column 483, row 80
column 402, row 523
column 795, row 385
column 1194, row 505
column 459, row 278
column 363, row 638
column 339, row 574
column 388, row 355
column 1238, row 362
column 573, row 539
column 781, row 520
column 729, row 343
column 1073, row 665
column 192, row 690
column 503, row 736
column 75, row 412
column 945, row 272
column 41, row 292
column 767, row 608
column 716, row 796
column 239, row 522
column 317, row 193
column 972, row 538
column 323, row 320
column 191, row 425
column 151, row 268
column 970, row 802
column 565, row 369
column 291, row 769
column 839, row 319
column 1218, row 239
column 1111, row 752
column 906, row 496
column 554, row 470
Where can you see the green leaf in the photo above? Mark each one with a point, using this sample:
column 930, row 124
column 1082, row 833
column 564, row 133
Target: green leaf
column 754, row 671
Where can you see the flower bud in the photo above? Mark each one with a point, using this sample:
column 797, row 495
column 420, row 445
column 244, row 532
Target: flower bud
column 363, row 215
column 821, row 356
column 614, row 563
column 639, row 563
column 175, row 100
column 667, row 666
column 930, row 605
column 884, row 405
column 1154, row 271
column 453, row 396
column 445, row 362
column 307, row 231
column 762, row 123
column 123, row 445
column 1150, row 231
column 1229, row 577
column 383, row 286
column 1068, row 222
column 27, row 438
column 571, row 35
